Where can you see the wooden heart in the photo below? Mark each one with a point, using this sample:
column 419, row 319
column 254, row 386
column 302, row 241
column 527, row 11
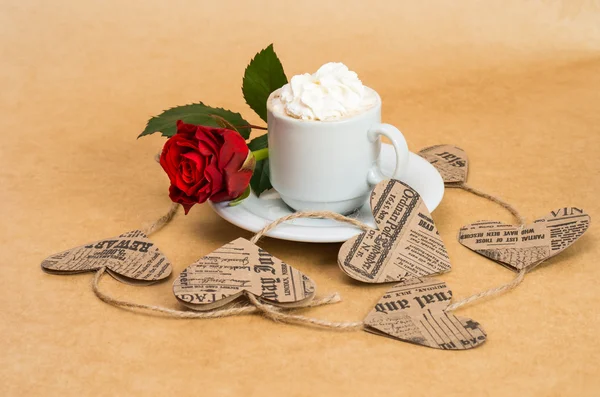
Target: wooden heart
column 450, row 161
column 406, row 244
column 238, row 268
column 131, row 258
column 414, row 311
column 519, row 247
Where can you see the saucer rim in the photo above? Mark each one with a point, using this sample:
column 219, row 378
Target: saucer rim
column 249, row 221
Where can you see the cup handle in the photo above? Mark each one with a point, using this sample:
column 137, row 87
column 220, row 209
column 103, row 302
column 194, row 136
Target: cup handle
column 400, row 147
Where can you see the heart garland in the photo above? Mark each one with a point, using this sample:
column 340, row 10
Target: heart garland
column 130, row 258
column 520, row 247
column 405, row 245
column 239, row 268
column 415, row 311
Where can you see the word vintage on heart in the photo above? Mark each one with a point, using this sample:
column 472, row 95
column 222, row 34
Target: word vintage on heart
column 414, row 311
column 130, row 258
column 519, row 247
column 406, row 244
column 238, row 268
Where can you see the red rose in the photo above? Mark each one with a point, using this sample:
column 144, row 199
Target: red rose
column 205, row 163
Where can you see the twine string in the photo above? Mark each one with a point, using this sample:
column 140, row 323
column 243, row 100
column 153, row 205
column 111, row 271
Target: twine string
column 351, row 325
column 492, row 198
column 518, row 279
column 309, row 214
column 162, row 221
column 166, row 218
column 275, row 315
column 230, row 311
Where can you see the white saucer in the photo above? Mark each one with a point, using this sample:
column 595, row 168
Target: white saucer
column 255, row 213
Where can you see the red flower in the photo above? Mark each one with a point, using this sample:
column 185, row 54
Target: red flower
column 206, row 163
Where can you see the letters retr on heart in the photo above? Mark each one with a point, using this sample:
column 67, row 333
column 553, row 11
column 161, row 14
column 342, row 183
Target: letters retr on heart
column 237, row 268
column 405, row 245
column 130, row 257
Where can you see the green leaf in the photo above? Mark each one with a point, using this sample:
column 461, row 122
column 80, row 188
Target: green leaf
column 263, row 75
column 223, row 123
column 195, row 113
column 258, row 143
column 260, row 179
column 241, row 198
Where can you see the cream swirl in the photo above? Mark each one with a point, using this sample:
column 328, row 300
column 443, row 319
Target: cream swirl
column 331, row 93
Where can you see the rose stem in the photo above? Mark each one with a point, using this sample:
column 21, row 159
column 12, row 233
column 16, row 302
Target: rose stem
column 261, row 154
column 256, row 127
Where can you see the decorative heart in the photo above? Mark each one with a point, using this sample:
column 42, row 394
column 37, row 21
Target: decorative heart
column 450, row 161
column 406, row 244
column 131, row 258
column 414, row 311
column 519, row 247
column 238, row 268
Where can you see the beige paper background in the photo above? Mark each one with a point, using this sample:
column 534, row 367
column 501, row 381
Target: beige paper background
column 515, row 84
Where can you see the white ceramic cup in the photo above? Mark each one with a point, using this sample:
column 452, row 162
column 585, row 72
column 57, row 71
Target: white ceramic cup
column 330, row 165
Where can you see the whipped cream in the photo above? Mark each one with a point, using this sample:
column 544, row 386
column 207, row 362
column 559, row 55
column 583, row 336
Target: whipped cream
column 333, row 92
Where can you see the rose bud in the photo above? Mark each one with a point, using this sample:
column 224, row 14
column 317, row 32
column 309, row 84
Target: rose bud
column 206, row 163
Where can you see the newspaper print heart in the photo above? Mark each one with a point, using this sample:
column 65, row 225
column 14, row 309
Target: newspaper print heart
column 414, row 311
column 238, row 268
column 450, row 161
column 131, row 258
column 519, row 247
column 405, row 245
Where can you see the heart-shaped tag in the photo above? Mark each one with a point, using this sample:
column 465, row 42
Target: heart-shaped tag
column 450, row 161
column 414, row 311
column 237, row 268
column 406, row 244
column 131, row 258
column 519, row 247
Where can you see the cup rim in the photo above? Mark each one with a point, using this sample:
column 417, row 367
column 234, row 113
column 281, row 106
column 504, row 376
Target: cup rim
column 349, row 119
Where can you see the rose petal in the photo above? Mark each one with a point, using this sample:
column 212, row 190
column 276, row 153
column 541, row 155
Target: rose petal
column 214, row 176
column 234, row 150
column 220, row 196
column 206, row 149
column 177, row 196
column 209, row 140
column 186, row 145
column 188, row 130
column 204, row 192
column 204, row 163
column 187, row 172
column 170, row 157
column 235, row 184
column 198, row 160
